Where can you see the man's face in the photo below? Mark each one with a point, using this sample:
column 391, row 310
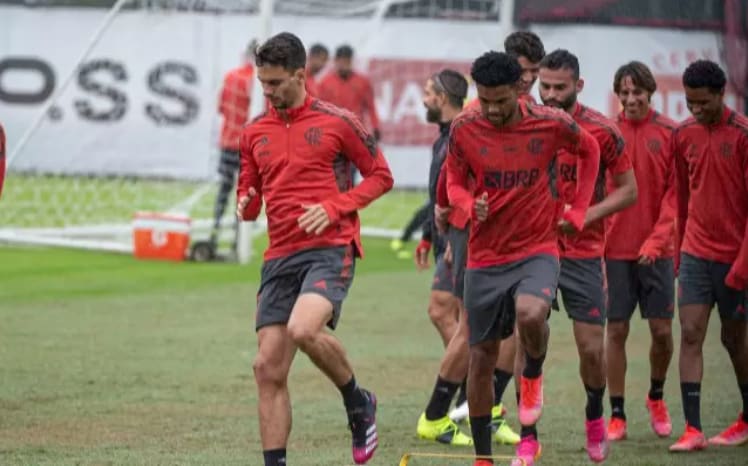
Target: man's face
column 317, row 61
column 634, row 99
column 432, row 102
column 498, row 104
column 529, row 75
column 704, row 104
column 558, row 88
column 279, row 86
column 343, row 66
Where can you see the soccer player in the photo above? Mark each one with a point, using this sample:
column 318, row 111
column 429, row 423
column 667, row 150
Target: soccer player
column 234, row 107
column 316, row 62
column 582, row 280
column 711, row 170
column 443, row 95
column 350, row 89
column 512, row 266
column 639, row 248
column 2, row 158
column 296, row 158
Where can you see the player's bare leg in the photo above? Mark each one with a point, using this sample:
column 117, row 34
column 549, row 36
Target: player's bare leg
column 615, row 351
column 590, row 339
column 694, row 320
column 306, row 328
column 271, row 365
column 434, row 424
column 443, row 312
column 735, row 340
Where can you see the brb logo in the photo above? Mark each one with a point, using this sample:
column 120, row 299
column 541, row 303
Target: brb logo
column 101, row 98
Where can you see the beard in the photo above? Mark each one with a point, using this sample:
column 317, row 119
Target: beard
column 565, row 104
column 433, row 115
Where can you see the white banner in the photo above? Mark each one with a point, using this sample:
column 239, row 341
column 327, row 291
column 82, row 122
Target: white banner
column 145, row 101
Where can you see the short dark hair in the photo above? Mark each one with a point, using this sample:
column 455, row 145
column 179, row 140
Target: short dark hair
column 344, row 51
column 559, row 59
column 526, row 44
column 453, row 84
column 705, row 73
column 318, row 49
column 640, row 75
column 493, row 69
column 284, row 49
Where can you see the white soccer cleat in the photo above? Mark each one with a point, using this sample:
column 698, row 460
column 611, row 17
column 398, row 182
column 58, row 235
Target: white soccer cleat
column 460, row 413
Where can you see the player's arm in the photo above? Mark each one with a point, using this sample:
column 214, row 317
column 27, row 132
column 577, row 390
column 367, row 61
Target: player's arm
column 458, row 191
column 224, row 103
column 584, row 146
column 248, row 189
column 737, row 278
column 682, row 195
column 661, row 236
column 371, row 108
column 361, row 149
column 442, row 209
column 618, row 163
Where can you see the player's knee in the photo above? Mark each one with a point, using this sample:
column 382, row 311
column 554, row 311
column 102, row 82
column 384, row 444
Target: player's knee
column 441, row 307
column 662, row 335
column 592, row 351
column 532, row 315
column 618, row 332
column 691, row 335
column 302, row 336
column 483, row 356
column 267, row 372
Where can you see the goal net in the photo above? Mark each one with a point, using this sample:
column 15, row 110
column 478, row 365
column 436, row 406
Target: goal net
column 113, row 110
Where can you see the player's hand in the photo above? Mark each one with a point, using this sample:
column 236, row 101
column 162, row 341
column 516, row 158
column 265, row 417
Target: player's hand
column 646, row 260
column 243, row 202
column 735, row 281
column 441, row 216
column 422, row 254
column 448, row 254
column 315, row 219
column 565, row 225
column 481, row 207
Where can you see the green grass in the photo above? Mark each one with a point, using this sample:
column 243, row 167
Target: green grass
column 51, row 201
column 105, row 360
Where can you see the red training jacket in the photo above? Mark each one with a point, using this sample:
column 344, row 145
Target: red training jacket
column 234, row 105
column 355, row 94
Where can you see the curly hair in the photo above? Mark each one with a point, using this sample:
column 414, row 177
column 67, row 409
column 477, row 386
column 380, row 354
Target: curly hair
column 705, row 73
column 494, row 69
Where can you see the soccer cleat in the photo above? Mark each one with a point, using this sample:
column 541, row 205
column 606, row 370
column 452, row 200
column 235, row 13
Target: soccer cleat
column 691, row 440
column 442, row 430
column 659, row 418
column 597, row 440
column 736, row 434
column 502, row 433
column 617, row 429
column 482, row 463
column 362, row 421
column 460, row 413
column 528, row 451
column 530, row 400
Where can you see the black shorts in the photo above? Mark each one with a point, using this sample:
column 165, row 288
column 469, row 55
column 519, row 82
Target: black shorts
column 326, row 271
column 458, row 239
column 702, row 281
column 583, row 289
column 228, row 164
column 652, row 287
column 490, row 294
column 442, row 276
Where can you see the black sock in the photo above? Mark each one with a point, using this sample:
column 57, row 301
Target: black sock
column 480, row 427
column 656, row 389
column 275, row 457
column 744, row 394
column 462, row 394
column 691, row 395
column 616, row 407
column 529, row 430
column 533, row 367
column 353, row 396
column 594, row 409
column 500, row 381
column 441, row 398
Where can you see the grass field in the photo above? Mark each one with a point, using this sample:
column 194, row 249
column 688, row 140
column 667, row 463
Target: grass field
column 105, row 360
